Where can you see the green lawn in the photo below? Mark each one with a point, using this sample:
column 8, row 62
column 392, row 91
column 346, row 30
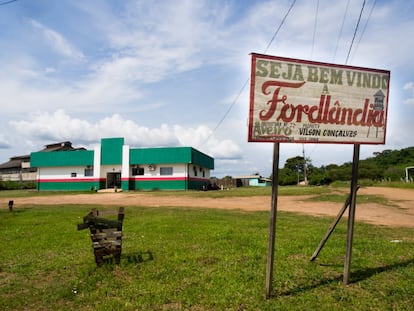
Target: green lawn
column 199, row 259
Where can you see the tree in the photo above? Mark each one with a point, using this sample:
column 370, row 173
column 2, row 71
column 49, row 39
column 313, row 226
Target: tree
column 388, row 164
column 318, row 176
column 287, row 177
column 298, row 165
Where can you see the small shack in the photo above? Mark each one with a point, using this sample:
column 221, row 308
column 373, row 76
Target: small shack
column 252, row 180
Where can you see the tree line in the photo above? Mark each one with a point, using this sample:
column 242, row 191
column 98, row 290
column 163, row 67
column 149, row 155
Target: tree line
column 389, row 165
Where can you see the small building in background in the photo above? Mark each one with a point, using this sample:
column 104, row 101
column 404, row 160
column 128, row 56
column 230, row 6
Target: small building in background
column 115, row 165
column 17, row 169
column 252, row 180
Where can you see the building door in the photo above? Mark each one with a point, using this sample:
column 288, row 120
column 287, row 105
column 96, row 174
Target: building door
column 113, row 180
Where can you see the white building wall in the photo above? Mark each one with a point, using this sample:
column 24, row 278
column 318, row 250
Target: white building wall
column 179, row 170
column 196, row 171
column 62, row 172
column 97, row 162
column 126, row 171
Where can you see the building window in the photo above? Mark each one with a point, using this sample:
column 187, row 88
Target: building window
column 166, row 170
column 137, row 171
column 72, row 174
column 195, row 171
column 88, row 171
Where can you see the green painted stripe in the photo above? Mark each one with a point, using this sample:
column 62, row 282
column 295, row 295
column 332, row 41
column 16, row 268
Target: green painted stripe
column 158, row 185
column 67, row 186
column 61, row 158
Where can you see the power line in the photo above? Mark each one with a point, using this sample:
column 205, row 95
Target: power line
column 315, row 27
column 280, row 26
column 356, row 29
column 227, row 112
column 247, row 81
column 340, row 32
column 355, row 32
column 7, row 2
column 365, row 26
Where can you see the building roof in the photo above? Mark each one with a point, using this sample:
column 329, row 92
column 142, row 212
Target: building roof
column 62, row 146
column 15, row 162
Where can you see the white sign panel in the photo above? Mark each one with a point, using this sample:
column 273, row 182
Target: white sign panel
column 302, row 101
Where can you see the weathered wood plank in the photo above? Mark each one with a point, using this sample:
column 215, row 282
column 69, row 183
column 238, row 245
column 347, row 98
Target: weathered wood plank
column 106, row 234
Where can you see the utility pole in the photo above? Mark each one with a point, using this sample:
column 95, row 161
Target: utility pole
column 305, row 167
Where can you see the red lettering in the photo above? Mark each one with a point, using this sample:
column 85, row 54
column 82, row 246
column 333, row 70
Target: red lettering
column 266, row 115
column 320, row 113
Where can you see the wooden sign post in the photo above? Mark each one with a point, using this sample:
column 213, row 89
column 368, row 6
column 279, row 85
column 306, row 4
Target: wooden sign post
column 351, row 216
column 272, row 222
column 300, row 101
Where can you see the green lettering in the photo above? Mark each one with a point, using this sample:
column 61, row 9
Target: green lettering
column 312, row 74
column 298, row 74
column 324, row 75
column 384, row 81
column 366, row 80
column 274, row 70
column 350, row 77
column 288, row 75
column 257, row 129
column 261, row 70
column 336, row 77
column 375, row 83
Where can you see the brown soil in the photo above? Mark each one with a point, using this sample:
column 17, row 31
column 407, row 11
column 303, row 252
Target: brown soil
column 398, row 212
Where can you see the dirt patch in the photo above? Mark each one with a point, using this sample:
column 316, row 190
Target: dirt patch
column 401, row 213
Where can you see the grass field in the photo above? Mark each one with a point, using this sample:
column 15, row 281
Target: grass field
column 199, row 259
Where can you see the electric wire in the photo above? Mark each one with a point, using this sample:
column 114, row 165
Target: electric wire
column 365, row 27
column 280, row 26
column 7, row 2
column 340, row 31
column 247, row 81
column 315, row 25
column 355, row 32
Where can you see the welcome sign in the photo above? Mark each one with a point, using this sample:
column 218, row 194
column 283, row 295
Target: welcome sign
column 302, row 101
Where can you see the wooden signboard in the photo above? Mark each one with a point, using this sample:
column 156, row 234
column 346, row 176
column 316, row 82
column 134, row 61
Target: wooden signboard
column 299, row 101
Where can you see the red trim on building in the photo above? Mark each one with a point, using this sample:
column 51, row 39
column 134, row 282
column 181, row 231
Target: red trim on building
column 74, row 179
column 163, row 178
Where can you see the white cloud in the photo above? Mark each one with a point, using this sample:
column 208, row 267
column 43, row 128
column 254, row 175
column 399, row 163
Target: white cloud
column 59, row 126
column 410, row 88
column 4, row 143
column 154, row 40
column 57, row 42
column 203, row 139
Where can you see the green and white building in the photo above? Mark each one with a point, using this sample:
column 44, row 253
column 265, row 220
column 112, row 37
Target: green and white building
column 115, row 165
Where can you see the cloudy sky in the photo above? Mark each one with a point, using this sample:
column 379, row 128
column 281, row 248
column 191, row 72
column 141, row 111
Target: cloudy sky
column 175, row 72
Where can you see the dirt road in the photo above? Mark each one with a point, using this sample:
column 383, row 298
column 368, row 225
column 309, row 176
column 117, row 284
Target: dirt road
column 400, row 211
